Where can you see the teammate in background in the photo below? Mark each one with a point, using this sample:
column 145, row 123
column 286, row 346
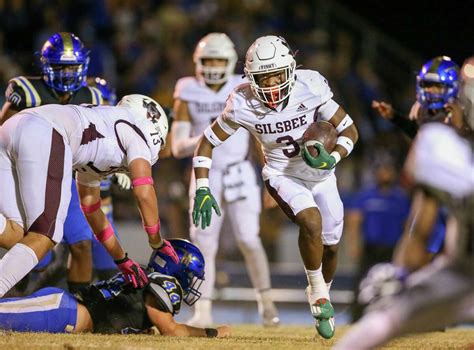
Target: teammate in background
column 440, row 164
column 39, row 148
column 113, row 306
column 198, row 102
column 276, row 107
column 64, row 62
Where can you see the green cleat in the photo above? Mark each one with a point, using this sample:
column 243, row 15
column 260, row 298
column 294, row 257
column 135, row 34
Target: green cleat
column 323, row 314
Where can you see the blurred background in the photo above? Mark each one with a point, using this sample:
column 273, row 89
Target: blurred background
column 366, row 49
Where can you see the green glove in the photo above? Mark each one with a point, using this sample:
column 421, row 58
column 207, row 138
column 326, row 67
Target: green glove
column 323, row 161
column 204, row 201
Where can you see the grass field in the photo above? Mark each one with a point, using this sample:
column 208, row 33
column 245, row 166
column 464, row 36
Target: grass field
column 244, row 337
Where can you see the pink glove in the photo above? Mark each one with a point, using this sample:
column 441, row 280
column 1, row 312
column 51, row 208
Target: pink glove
column 167, row 249
column 132, row 271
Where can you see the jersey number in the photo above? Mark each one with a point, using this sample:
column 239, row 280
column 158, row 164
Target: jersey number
column 289, row 141
column 169, row 286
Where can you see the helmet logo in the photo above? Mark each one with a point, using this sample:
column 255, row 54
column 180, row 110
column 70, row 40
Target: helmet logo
column 188, row 259
column 68, row 57
column 151, row 109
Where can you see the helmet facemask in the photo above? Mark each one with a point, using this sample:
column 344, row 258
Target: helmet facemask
column 267, row 55
column 213, row 75
column 215, row 46
column 65, row 78
column 273, row 95
column 434, row 95
column 437, row 83
column 64, row 62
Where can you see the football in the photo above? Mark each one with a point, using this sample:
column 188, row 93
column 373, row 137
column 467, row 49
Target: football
column 323, row 132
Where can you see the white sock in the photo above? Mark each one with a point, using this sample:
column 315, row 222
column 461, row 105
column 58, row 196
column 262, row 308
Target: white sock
column 15, row 265
column 3, row 223
column 317, row 284
column 264, row 299
column 329, row 284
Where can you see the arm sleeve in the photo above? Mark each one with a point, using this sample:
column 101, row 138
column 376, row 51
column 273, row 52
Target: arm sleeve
column 132, row 142
column 183, row 145
column 409, row 127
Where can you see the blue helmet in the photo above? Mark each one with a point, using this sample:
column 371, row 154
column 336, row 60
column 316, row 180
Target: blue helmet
column 440, row 70
column 64, row 62
column 189, row 271
column 108, row 92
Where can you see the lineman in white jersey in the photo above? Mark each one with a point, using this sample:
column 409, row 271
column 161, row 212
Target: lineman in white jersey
column 199, row 101
column 276, row 107
column 39, row 148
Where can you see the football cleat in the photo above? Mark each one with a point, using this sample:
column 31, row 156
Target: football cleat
column 323, row 314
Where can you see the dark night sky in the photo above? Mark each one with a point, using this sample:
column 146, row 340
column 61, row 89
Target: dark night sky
column 429, row 28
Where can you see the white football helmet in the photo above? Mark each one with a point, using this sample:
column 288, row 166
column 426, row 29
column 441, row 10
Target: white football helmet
column 269, row 54
column 145, row 107
column 215, row 45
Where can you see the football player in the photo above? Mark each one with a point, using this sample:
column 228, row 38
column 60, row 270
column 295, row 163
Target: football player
column 437, row 92
column 437, row 87
column 103, row 264
column 39, row 149
column 441, row 164
column 198, row 102
column 276, row 106
column 64, row 62
column 113, row 306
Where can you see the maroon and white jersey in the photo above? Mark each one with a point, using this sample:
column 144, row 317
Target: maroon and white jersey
column 280, row 130
column 205, row 105
column 103, row 139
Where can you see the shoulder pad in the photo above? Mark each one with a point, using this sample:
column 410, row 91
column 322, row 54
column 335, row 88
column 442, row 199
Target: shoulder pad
column 21, row 93
column 167, row 291
column 185, row 88
column 316, row 83
column 96, row 95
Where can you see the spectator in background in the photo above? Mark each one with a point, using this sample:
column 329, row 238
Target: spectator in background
column 375, row 220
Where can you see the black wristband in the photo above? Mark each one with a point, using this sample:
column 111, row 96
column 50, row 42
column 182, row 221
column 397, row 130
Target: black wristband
column 121, row 261
column 211, row 332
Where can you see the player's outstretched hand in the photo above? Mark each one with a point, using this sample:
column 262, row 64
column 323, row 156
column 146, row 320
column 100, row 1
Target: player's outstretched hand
column 132, row 272
column 385, row 110
column 323, row 161
column 204, row 202
column 223, row 331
